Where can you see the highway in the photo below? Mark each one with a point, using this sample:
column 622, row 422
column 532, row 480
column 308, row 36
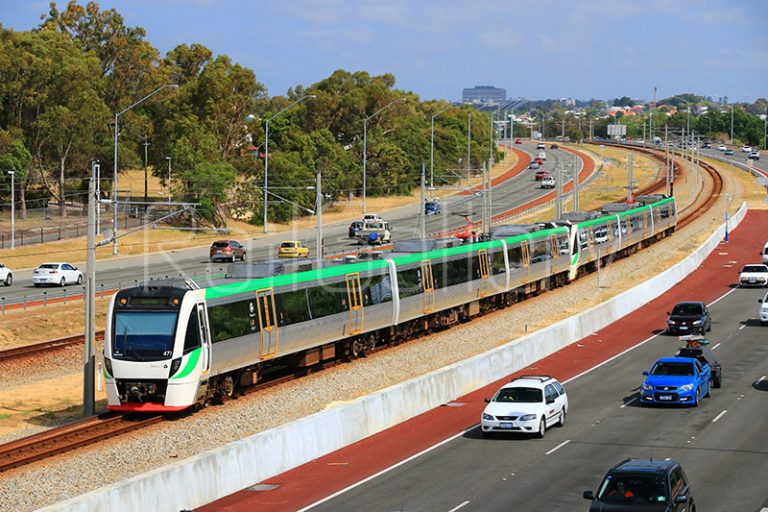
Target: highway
column 721, row 444
column 193, row 263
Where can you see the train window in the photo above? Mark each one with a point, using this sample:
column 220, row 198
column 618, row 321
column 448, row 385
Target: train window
column 515, row 255
column 192, row 337
column 664, row 211
column 541, row 251
column 329, row 299
column 292, row 307
column 562, row 245
column 232, row 320
column 601, row 234
column 583, row 240
column 409, row 282
column 439, row 275
column 497, row 263
column 459, row 271
column 377, row 290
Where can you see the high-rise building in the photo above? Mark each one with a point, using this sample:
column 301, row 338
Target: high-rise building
column 484, row 94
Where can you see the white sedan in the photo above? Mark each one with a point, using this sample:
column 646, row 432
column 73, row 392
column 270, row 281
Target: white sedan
column 528, row 405
column 60, row 274
column 6, row 275
column 754, row 275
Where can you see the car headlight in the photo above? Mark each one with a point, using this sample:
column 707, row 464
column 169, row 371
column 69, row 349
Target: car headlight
column 647, row 387
column 698, row 322
column 527, row 417
column 671, row 322
column 686, row 387
column 488, row 417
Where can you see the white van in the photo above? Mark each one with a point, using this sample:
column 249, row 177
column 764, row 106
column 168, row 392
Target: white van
column 374, row 233
column 765, row 253
column 542, row 155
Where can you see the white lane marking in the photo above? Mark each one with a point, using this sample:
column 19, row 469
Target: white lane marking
column 558, row 446
column 761, row 379
column 390, row 468
column 713, row 348
column 626, row 404
column 456, row 436
column 454, row 509
column 719, row 416
column 743, row 326
column 764, row 509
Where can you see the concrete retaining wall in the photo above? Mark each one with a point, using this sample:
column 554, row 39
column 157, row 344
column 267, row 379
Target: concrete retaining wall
column 217, row 473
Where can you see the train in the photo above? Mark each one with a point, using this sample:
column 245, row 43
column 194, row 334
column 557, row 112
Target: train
column 174, row 344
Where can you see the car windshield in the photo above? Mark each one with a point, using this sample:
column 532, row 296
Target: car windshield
column 634, row 488
column 755, row 268
column 672, row 368
column 143, row 335
column 49, row 265
column 524, row 395
column 687, row 309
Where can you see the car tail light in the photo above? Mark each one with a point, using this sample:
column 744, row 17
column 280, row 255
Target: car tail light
column 53, row 271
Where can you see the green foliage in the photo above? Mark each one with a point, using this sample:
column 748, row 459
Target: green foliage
column 209, row 183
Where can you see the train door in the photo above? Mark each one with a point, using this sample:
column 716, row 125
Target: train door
column 355, row 301
column 526, row 257
column 205, row 339
column 428, row 285
column 485, row 271
column 265, row 301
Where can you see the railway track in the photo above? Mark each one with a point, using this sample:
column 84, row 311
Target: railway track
column 46, row 346
column 92, row 430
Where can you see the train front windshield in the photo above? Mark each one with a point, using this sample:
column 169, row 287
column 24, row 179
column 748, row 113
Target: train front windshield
column 143, row 335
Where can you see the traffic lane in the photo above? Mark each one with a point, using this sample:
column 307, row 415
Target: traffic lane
column 323, row 476
column 606, row 424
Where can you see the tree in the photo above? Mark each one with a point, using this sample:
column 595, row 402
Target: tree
column 15, row 157
column 209, row 183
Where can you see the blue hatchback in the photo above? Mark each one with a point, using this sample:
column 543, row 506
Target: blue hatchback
column 676, row 380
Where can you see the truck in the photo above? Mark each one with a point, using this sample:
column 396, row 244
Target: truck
column 695, row 346
column 374, row 232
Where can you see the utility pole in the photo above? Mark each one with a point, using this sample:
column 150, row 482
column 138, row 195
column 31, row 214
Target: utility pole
column 591, row 133
column 731, row 125
column 422, row 205
column 485, row 199
column 469, row 137
column 559, row 194
column 576, row 172
column 146, row 186
column 562, row 133
column 89, row 359
column 169, row 183
column 319, row 217
column 643, row 132
column 630, row 196
column 13, row 210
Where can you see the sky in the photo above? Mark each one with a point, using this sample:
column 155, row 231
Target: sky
column 535, row 49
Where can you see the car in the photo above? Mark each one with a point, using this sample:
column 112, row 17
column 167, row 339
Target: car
column 746, row 149
column 355, row 228
column 528, row 404
column 293, row 249
column 542, row 155
column 765, row 253
column 539, row 160
column 689, row 318
column 706, row 145
column 728, row 152
column 676, row 380
column 230, row 250
column 721, row 147
column 533, row 165
column 553, row 146
column 547, row 182
column 6, row 275
column 518, row 141
column 541, row 145
column 541, row 174
column 57, row 273
column 432, row 207
column 658, row 485
column 763, row 310
column 754, row 155
column 695, row 346
column 755, row 274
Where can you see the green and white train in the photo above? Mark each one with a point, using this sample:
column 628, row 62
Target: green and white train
column 172, row 345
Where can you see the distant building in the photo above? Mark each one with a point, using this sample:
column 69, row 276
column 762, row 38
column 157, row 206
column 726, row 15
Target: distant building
column 484, row 94
column 568, row 102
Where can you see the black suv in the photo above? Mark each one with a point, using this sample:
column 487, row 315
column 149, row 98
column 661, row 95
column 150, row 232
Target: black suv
column 642, row 484
column 354, row 228
column 689, row 318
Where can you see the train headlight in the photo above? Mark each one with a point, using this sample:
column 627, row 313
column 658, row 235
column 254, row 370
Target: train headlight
column 108, row 366
column 175, row 364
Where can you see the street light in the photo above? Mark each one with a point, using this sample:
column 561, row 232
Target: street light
column 266, row 153
column 432, row 152
column 169, row 181
column 728, row 199
column 13, row 211
column 114, row 181
column 365, row 140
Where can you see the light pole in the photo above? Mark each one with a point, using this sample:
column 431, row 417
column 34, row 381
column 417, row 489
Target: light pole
column 731, row 125
column 169, row 181
column 266, row 153
column 146, row 181
column 365, row 141
column 114, row 180
column 432, row 152
column 727, row 203
column 13, row 211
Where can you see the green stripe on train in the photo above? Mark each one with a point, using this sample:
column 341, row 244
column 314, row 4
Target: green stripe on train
column 633, row 211
column 194, row 357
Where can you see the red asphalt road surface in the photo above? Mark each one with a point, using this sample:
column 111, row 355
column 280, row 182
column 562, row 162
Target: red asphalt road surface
column 523, row 159
column 326, row 475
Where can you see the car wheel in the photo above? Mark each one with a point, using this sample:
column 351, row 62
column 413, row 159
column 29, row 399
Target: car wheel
column 709, row 391
column 561, row 422
column 242, row 258
column 542, row 429
column 63, row 282
column 718, row 381
column 696, row 400
column 80, row 279
column 9, row 280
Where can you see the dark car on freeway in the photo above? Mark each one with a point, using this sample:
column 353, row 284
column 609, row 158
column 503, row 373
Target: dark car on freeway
column 689, row 318
column 227, row 250
column 432, row 208
column 655, row 485
column 554, row 146
column 355, row 228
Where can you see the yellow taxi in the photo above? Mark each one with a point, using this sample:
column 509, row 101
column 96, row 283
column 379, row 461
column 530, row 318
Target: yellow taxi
column 293, row 249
